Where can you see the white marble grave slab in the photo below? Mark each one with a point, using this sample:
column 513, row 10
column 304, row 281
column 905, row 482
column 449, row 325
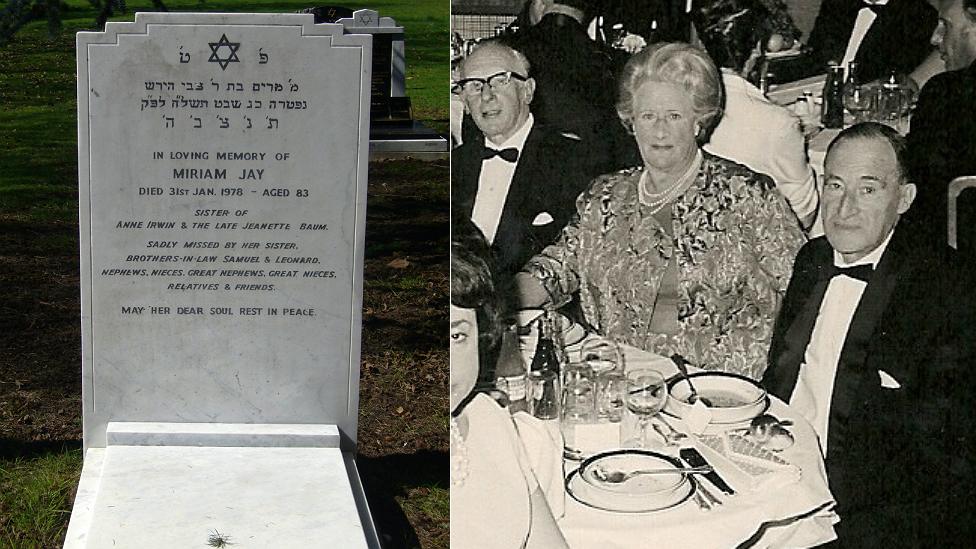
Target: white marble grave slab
column 252, row 435
column 176, row 496
column 222, row 181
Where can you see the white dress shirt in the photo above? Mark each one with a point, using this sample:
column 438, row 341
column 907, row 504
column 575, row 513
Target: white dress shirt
column 495, row 180
column 814, row 388
column 865, row 18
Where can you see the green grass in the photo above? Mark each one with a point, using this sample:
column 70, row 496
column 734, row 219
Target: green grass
column 36, row 498
column 38, row 141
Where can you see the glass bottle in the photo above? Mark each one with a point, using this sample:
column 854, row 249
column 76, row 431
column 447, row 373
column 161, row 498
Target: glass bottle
column 546, row 356
column 832, row 113
column 544, row 386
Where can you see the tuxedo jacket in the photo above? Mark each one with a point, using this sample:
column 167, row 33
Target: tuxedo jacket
column 941, row 147
column 552, row 170
column 893, row 454
column 576, row 88
column 897, row 40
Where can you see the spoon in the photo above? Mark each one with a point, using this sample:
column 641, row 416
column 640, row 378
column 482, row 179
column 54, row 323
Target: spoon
column 616, row 477
column 682, row 365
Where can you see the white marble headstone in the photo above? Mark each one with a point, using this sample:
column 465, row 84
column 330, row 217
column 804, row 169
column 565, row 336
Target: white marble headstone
column 222, row 162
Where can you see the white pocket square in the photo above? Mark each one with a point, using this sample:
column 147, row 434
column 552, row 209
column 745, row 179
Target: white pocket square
column 542, row 219
column 887, row 381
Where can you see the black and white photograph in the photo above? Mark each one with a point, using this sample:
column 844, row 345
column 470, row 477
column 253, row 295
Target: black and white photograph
column 712, row 277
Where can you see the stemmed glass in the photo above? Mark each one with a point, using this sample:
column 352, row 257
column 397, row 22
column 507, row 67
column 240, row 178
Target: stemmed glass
column 647, row 392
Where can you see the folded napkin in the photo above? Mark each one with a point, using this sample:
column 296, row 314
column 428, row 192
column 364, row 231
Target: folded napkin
column 544, row 447
column 744, row 464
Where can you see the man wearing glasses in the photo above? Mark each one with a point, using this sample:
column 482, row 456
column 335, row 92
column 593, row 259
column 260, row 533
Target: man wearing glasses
column 517, row 180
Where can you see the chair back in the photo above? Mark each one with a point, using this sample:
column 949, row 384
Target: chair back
column 956, row 187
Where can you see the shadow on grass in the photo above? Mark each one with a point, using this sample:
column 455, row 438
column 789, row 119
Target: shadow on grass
column 387, row 478
column 12, row 448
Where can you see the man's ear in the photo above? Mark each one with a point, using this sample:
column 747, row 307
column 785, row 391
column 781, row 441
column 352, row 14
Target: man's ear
column 529, row 90
column 906, row 195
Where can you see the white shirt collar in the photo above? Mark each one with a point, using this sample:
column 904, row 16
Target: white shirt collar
column 517, row 140
column 871, row 259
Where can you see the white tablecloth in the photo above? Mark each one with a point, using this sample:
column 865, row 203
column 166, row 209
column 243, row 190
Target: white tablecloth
column 794, row 515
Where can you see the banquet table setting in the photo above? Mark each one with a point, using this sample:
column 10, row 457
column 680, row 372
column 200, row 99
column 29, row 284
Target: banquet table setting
column 804, row 98
column 620, row 489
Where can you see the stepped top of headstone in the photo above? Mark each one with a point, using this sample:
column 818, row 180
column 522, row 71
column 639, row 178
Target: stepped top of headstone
column 369, row 19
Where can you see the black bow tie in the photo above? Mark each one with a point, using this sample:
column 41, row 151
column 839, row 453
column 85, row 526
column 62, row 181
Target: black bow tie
column 875, row 7
column 510, row 154
column 857, row 272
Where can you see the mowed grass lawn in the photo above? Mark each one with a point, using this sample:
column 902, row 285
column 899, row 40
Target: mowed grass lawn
column 403, row 442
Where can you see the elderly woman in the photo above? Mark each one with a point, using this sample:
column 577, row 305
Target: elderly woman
column 689, row 253
column 496, row 499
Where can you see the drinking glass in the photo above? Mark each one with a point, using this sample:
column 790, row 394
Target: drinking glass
column 611, row 392
column 858, row 100
column 647, row 392
column 601, row 355
column 577, row 408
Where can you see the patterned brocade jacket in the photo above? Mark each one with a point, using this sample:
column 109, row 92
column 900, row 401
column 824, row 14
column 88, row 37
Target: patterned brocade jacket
column 735, row 241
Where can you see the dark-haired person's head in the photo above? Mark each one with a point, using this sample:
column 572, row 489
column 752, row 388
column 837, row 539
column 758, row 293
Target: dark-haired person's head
column 731, row 30
column 866, row 188
column 578, row 9
column 475, row 314
column 955, row 36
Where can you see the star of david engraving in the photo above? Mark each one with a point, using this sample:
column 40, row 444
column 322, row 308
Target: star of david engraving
column 224, row 45
column 366, row 19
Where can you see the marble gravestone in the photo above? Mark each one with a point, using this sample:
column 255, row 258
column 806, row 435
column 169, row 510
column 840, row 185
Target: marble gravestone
column 393, row 131
column 222, row 181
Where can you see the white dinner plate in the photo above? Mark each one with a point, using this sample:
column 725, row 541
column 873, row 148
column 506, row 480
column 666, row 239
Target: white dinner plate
column 582, row 492
column 633, row 460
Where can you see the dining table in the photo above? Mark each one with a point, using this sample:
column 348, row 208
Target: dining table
column 794, row 510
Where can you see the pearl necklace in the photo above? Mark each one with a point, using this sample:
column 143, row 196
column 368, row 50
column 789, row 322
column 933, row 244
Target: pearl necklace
column 657, row 201
column 459, row 455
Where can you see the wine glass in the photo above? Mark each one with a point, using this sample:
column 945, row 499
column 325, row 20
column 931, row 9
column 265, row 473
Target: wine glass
column 646, row 394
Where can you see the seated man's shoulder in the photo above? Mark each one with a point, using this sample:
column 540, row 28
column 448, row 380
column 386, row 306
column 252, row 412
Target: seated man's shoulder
column 815, row 251
column 558, row 137
column 561, row 146
column 958, row 82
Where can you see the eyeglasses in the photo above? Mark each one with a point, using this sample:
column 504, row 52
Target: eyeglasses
column 473, row 86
